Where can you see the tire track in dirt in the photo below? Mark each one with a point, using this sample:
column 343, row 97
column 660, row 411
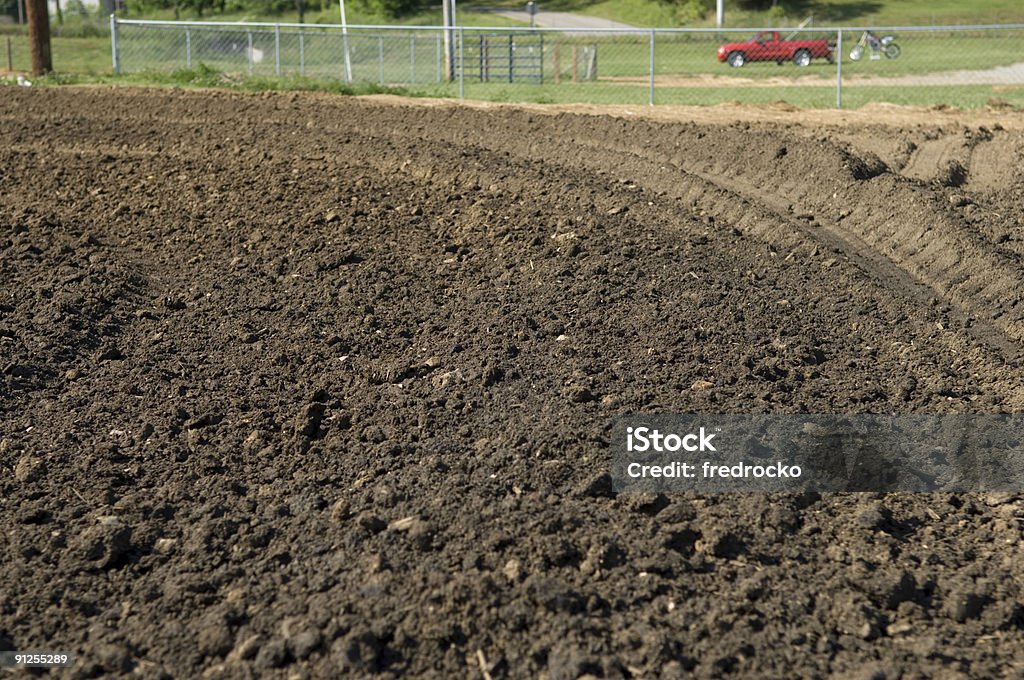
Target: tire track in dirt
column 743, row 201
column 735, row 204
column 932, row 156
column 994, row 165
column 954, row 263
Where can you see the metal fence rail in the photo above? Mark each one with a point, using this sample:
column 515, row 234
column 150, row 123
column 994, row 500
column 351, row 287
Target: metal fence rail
column 958, row 65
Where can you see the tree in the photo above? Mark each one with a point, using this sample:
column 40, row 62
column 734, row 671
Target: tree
column 393, row 8
column 39, row 36
column 9, row 8
column 691, row 10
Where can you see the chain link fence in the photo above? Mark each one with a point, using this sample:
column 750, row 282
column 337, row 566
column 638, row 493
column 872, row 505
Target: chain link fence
column 961, row 66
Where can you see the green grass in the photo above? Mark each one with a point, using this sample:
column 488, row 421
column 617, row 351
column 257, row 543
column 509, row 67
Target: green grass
column 821, row 96
column 618, row 57
column 963, row 97
column 203, row 76
column 411, row 61
column 354, row 14
column 921, row 54
column 70, row 55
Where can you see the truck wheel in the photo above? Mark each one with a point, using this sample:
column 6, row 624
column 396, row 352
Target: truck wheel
column 802, row 57
column 736, row 59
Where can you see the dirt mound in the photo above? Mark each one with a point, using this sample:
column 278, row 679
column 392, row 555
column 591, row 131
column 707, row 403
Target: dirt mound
column 301, row 385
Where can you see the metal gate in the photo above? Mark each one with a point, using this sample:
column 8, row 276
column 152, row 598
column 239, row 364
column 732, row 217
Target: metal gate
column 504, row 58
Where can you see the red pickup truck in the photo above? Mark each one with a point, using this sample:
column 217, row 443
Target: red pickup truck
column 767, row 46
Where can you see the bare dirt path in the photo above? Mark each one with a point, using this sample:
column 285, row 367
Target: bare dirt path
column 1011, row 75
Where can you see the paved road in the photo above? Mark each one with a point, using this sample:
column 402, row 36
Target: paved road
column 560, row 19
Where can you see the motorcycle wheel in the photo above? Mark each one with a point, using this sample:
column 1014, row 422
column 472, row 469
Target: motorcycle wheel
column 892, row 50
column 857, row 52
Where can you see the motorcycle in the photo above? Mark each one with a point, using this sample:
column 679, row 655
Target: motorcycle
column 869, row 41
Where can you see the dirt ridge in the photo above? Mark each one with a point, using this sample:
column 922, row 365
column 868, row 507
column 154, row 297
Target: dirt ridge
column 302, row 386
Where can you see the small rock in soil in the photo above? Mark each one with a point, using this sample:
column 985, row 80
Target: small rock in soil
column 215, row 639
column 174, row 303
column 304, row 643
column 29, row 469
column 598, row 486
column 963, row 604
column 247, row 648
column 103, row 545
column 371, row 523
column 273, row 654
column 721, row 543
column 111, row 354
column 307, row 424
column 578, row 394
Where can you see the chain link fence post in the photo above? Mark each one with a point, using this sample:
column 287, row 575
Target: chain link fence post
column 348, row 54
column 462, row 82
column 839, row 70
column 113, row 45
column 438, row 57
column 188, row 48
column 650, row 92
column 277, row 50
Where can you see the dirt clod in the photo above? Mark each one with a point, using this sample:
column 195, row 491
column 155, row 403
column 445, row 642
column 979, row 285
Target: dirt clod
column 253, row 375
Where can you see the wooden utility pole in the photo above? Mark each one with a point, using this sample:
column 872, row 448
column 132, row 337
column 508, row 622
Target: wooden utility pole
column 39, row 36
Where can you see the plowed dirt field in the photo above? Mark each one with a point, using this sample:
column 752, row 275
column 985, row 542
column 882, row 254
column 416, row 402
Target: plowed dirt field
column 300, row 386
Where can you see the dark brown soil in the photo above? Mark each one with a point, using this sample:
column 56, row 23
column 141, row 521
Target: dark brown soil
column 293, row 386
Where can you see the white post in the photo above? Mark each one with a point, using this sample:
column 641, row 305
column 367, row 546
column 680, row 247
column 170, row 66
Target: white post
column 720, row 14
column 462, row 65
column 344, row 43
column 650, row 95
column 277, row 50
column 113, row 45
column 449, row 38
column 839, row 70
column 188, row 48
